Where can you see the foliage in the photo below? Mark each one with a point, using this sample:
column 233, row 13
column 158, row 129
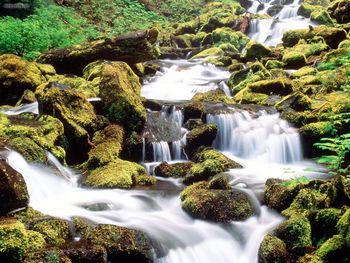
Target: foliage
column 294, row 182
column 49, row 27
column 340, row 147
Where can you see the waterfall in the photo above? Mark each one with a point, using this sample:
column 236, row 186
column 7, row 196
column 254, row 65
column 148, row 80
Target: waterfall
column 266, row 136
column 161, row 152
column 177, row 149
column 30, row 107
column 270, row 31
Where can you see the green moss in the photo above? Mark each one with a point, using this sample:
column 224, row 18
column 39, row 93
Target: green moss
column 115, row 174
column 294, row 59
column 36, row 240
column 343, row 227
column 120, row 92
column 145, row 180
column 213, row 96
column 255, row 50
column 281, row 86
column 344, row 44
column 271, row 64
column 211, row 154
column 331, row 248
column 316, row 129
column 307, row 70
column 227, row 35
column 306, row 9
column 55, row 231
column 176, row 170
column 210, row 52
column 30, row 150
column 14, row 241
column 296, row 231
column 245, row 96
column 321, row 16
column 273, row 249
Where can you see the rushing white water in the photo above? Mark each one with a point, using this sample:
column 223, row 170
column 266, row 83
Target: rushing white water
column 31, row 107
column 270, row 31
column 266, row 137
column 263, row 144
column 157, row 212
column 173, row 83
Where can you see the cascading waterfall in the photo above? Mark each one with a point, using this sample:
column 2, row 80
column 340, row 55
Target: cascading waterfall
column 30, row 107
column 266, row 136
column 270, row 31
column 161, row 152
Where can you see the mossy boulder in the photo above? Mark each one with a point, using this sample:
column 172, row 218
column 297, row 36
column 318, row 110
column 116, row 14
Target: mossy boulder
column 324, row 224
column 333, row 250
column 343, row 227
column 332, row 35
column 107, row 145
column 54, row 230
column 294, row 59
column 176, row 170
column 120, row 93
column 304, row 71
column 193, row 110
column 18, row 75
column 340, row 10
column 295, row 232
column 273, row 63
column 215, row 204
column 76, row 114
column 280, row 86
column 255, row 50
column 296, row 101
column 115, row 174
column 228, row 35
column 278, row 195
column 209, row 163
column 122, row 244
column 210, row 52
column 45, row 131
column 212, row 96
column 132, row 148
column 321, row 16
column 84, row 252
column 272, row 249
column 14, row 241
column 13, row 190
column 201, row 136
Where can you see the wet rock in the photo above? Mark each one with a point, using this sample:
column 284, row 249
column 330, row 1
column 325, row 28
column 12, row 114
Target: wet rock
column 29, row 149
column 120, row 93
column 274, row 10
column 333, row 36
column 13, row 190
column 176, row 170
column 201, row 136
column 279, row 196
column 76, row 114
column 85, row 253
column 193, row 123
column 132, row 148
column 273, row 249
column 193, row 110
column 296, row 101
column 294, row 60
column 321, row 16
column 122, row 244
column 281, row 86
column 18, row 75
column 132, row 48
column 213, row 96
column 215, row 205
column 340, row 10
column 115, row 174
column 295, row 231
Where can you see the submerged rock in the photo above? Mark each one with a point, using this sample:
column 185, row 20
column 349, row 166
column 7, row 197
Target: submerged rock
column 13, row 190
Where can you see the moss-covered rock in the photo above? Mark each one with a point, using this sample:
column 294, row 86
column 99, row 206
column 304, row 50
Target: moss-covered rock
column 201, row 136
column 120, row 92
column 294, row 59
column 272, row 249
column 212, row 154
column 176, row 170
column 215, row 205
column 295, row 231
column 333, row 250
column 132, row 148
column 228, row 35
column 304, row 71
column 332, row 35
column 54, row 230
column 212, row 96
column 193, row 110
column 296, row 101
column 83, row 252
column 115, row 174
column 45, row 131
column 76, row 114
column 14, row 241
column 13, row 190
column 255, row 50
column 122, row 244
column 18, row 75
column 29, row 149
column 107, row 145
column 343, row 227
column 321, row 16
column 281, row 86
column 210, row 52
column 273, row 63
column 324, row 225
column 340, row 10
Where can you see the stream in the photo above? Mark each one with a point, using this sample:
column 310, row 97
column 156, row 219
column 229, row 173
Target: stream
column 265, row 145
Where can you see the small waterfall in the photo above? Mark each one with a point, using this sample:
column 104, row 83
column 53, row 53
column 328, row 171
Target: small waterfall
column 31, row 107
column 161, row 152
column 266, row 136
column 223, row 86
column 177, row 149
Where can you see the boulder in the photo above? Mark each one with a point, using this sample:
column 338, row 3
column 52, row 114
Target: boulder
column 280, row 86
column 193, row 110
column 321, row 16
column 201, row 136
column 176, row 170
column 294, row 60
column 340, row 10
column 120, row 93
column 332, row 35
column 13, row 190
column 18, row 75
column 255, row 50
column 132, row 48
column 215, row 204
column 272, row 249
column 88, row 253
column 116, row 174
column 76, row 114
